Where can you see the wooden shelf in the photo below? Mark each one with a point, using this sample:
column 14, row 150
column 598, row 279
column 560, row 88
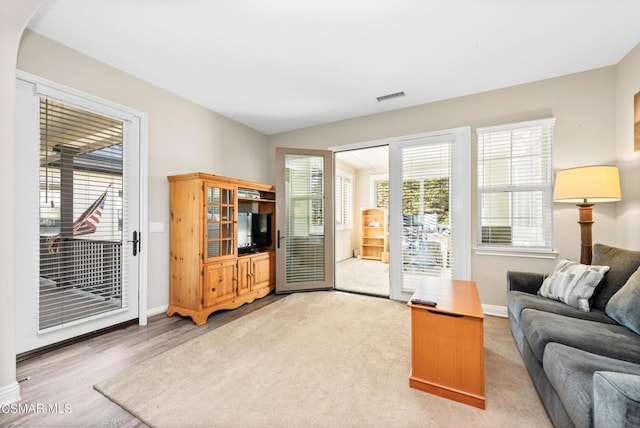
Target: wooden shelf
column 256, row 200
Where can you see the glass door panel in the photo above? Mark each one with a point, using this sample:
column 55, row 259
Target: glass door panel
column 220, row 222
column 426, row 230
column 429, row 197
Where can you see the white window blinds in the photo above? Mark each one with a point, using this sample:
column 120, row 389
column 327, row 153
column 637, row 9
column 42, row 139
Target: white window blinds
column 304, row 180
column 343, row 201
column 427, row 240
column 515, row 186
column 81, row 206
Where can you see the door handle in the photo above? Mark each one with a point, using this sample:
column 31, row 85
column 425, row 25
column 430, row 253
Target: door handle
column 279, row 238
column 137, row 238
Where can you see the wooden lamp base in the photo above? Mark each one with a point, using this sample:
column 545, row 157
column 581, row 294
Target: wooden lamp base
column 586, row 221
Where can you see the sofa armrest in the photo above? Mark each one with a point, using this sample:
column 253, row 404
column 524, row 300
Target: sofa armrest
column 616, row 399
column 528, row 282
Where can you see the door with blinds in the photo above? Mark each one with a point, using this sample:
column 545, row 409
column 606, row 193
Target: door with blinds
column 305, row 223
column 429, row 192
column 78, row 264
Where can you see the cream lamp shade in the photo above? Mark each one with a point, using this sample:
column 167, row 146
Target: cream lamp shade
column 585, row 186
column 588, row 185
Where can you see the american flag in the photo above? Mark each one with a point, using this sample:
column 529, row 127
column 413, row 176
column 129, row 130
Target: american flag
column 85, row 224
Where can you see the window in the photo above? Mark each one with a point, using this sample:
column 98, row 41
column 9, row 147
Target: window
column 380, row 191
column 515, row 186
column 343, row 201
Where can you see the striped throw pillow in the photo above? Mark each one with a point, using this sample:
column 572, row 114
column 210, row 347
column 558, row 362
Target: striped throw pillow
column 573, row 283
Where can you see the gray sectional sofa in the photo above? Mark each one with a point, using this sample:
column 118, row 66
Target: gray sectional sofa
column 585, row 365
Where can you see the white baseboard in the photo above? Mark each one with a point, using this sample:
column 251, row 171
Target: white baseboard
column 10, row 393
column 494, row 310
column 158, row 310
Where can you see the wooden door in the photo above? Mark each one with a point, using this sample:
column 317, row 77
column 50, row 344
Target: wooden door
column 244, row 275
column 219, row 282
column 261, row 271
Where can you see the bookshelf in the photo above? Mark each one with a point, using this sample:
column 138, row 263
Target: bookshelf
column 374, row 233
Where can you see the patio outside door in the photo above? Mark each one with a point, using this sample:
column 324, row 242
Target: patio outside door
column 305, row 220
column 78, row 214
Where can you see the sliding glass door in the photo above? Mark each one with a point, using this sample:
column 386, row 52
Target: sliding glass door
column 429, row 209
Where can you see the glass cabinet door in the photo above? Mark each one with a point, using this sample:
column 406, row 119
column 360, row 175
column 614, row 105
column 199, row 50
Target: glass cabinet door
column 220, row 221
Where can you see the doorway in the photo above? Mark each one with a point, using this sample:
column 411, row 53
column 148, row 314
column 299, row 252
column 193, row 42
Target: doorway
column 423, row 186
column 362, row 219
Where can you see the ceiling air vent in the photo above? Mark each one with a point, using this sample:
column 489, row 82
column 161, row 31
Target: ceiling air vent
column 390, row 96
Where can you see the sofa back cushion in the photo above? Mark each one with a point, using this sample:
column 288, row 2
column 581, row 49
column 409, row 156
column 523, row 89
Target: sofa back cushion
column 622, row 264
column 624, row 306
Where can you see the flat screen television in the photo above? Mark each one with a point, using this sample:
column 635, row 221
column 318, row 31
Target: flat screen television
column 254, row 232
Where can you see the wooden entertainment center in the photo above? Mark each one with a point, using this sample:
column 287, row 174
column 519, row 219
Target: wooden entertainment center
column 207, row 273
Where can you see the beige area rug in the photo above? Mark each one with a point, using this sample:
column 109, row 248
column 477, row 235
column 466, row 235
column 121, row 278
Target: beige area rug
column 321, row 359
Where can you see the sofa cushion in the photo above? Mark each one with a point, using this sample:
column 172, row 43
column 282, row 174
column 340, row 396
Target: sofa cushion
column 615, row 341
column 624, row 306
column 570, row 371
column 622, row 264
column 517, row 301
column 616, row 399
column 573, row 283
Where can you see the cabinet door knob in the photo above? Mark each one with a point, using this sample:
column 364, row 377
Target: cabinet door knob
column 213, row 289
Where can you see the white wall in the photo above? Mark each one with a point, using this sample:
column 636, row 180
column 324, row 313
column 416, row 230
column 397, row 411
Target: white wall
column 628, row 210
column 584, row 106
column 183, row 137
column 14, row 16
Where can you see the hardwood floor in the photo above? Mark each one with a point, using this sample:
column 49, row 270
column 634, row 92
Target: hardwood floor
column 60, row 382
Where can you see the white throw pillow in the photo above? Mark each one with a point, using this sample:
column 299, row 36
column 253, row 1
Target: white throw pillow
column 573, row 283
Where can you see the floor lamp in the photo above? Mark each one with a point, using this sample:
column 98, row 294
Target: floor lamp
column 585, row 186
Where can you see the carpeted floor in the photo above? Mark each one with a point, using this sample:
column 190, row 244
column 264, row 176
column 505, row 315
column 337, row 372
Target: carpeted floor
column 363, row 276
column 314, row 360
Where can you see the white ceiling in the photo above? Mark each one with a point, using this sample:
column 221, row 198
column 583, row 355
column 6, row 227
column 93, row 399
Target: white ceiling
column 280, row 65
column 370, row 158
